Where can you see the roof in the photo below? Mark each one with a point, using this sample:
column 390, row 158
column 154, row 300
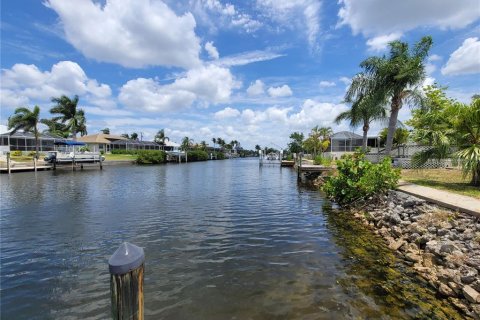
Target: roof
column 101, row 138
column 29, row 135
column 134, row 142
column 69, row 143
column 345, row 135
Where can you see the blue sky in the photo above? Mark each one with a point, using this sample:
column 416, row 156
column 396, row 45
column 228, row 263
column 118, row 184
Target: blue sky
column 252, row 71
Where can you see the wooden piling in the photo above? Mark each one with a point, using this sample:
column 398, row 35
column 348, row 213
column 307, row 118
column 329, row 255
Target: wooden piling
column 9, row 170
column 127, row 266
column 35, row 163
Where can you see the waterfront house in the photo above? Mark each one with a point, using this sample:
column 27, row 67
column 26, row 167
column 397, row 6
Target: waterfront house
column 344, row 142
column 108, row 142
column 25, row 141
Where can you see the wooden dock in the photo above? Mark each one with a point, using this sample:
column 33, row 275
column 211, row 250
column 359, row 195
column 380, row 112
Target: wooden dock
column 18, row 168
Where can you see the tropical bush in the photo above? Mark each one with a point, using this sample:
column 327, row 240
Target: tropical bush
column 359, row 179
column 220, row 156
column 323, row 161
column 197, row 155
column 151, row 157
column 16, row 153
column 123, row 151
column 450, row 129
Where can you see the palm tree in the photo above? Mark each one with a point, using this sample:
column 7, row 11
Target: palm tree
column 457, row 128
column 55, row 128
column 27, row 120
column 160, row 137
column 396, row 77
column 186, row 142
column 203, row 145
column 134, row 136
column 364, row 110
column 105, row 131
column 70, row 115
column 214, row 140
column 125, row 135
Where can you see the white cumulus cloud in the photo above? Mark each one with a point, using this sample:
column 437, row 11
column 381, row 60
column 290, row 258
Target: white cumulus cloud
column 212, row 51
column 282, row 91
column 24, row 83
column 206, row 84
column 380, row 43
column 256, row 88
column 373, row 17
column 132, row 33
column 464, row 60
column 226, row 113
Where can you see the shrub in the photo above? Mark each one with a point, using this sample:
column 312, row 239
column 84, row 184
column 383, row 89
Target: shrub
column 324, row 161
column 124, row 151
column 359, row 179
column 151, row 157
column 197, row 155
column 16, row 153
column 220, row 156
column 84, row 149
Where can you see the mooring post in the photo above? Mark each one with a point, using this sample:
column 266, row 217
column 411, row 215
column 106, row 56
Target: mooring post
column 9, row 170
column 35, row 163
column 127, row 265
column 101, row 166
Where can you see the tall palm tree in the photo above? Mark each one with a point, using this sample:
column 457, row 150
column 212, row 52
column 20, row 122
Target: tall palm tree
column 27, row 120
column 214, row 140
column 203, row 145
column 364, row 110
column 160, row 137
column 70, row 115
column 396, row 77
column 185, row 145
column 55, row 128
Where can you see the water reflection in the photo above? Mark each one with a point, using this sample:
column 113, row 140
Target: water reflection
column 223, row 240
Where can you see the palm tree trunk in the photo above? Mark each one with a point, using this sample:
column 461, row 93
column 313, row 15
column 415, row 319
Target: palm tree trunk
column 476, row 176
column 74, row 134
column 392, row 124
column 365, row 136
column 36, row 142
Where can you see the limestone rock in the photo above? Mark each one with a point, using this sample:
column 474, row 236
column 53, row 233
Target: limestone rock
column 446, row 290
column 471, row 294
column 468, row 274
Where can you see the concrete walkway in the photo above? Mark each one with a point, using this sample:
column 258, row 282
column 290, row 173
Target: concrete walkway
column 443, row 198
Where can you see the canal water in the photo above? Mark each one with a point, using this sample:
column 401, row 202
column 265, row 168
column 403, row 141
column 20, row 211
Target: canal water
column 223, row 240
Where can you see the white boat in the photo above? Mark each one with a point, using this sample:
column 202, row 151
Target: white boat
column 68, row 153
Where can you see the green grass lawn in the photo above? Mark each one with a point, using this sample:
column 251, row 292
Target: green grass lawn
column 444, row 179
column 115, row 157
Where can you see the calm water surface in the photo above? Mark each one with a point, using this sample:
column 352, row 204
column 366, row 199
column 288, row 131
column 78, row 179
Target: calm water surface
column 223, row 240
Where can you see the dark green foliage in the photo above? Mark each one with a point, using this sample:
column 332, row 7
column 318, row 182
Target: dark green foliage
column 296, row 141
column 124, row 151
column 197, row 155
column 220, row 156
column 359, row 179
column 151, row 157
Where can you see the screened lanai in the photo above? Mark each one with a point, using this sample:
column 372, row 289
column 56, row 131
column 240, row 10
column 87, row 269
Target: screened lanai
column 135, row 145
column 25, row 141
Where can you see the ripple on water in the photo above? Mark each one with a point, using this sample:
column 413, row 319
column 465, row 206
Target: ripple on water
column 223, row 240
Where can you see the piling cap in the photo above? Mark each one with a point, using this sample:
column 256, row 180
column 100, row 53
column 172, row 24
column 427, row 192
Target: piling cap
column 126, row 258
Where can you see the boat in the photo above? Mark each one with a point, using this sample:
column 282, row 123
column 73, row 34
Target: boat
column 68, row 152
